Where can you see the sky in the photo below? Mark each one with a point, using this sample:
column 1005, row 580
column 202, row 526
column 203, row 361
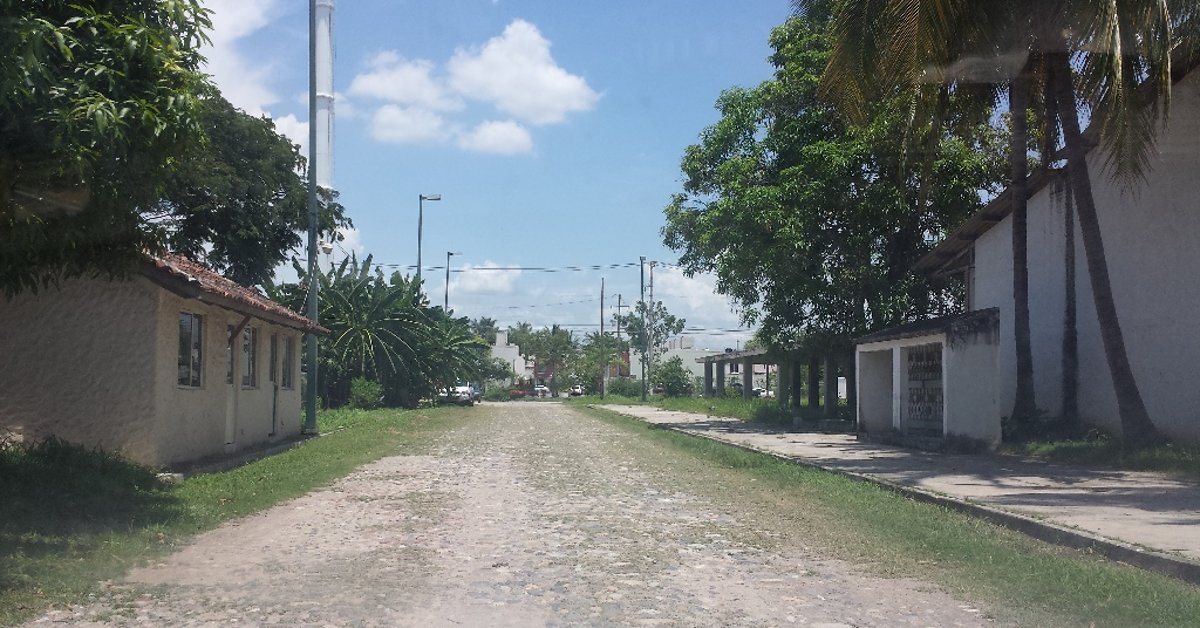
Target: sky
column 553, row 131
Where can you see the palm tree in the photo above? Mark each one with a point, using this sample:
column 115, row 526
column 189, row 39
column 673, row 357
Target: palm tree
column 1124, row 77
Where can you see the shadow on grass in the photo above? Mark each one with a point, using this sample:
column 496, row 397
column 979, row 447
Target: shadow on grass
column 60, row 498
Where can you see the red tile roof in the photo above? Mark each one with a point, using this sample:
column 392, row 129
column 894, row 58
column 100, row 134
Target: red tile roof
column 195, row 281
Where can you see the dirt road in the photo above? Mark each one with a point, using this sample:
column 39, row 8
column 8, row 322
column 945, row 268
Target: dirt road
column 528, row 514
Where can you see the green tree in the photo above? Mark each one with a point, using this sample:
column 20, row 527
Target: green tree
column 485, row 328
column 238, row 202
column 675, row 379
column 649, row 326
column 811, row 223
column 99, row 98
column 596, row 351
column 553, row 350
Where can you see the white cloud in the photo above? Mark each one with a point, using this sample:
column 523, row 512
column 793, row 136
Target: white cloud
column 351, row 242
column 479, row 280
column 242, row 83
column 397, row 80
column 292, row 128
column 501, row 138
column 696, row 300
column 401, row 125
column 516, row 73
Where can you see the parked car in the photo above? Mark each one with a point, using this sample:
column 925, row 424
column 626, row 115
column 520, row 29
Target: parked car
column 458, row 395
column 516, row 393
column 541, row 391
column 577, row 390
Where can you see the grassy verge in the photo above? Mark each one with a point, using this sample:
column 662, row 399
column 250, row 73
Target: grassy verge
column 1029, row 582
column 74, row 517
column 1102, row 451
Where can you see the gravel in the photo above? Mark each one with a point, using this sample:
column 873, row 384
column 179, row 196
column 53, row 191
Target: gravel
column 527, row 514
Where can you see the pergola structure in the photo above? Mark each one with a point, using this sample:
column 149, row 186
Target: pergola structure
column 790, row 364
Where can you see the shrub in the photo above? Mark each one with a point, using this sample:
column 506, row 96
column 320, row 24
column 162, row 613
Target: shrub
column 365, row 394
column 674, row 378
column 496, row 393
column 624, row 387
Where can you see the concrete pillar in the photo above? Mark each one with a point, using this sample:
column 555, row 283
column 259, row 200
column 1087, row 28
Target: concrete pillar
column 814, row 384
column 783, row 388
column 831, row 388
column 747, row 378
column 797, row 377
column 720, row 392
column 708, row 379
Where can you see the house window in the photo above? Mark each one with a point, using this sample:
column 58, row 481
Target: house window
column 289, row 361
column 190, row 348
column 250, row 356
column 273, row 368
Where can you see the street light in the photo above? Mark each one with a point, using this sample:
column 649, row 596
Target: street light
column 421, row 198
column 446, row 301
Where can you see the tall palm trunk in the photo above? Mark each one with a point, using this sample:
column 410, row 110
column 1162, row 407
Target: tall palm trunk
column 1070, row 341
column 1136, row 426
column 1024, row 405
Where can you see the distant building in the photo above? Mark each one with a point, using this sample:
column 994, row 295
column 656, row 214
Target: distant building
column 511, row 354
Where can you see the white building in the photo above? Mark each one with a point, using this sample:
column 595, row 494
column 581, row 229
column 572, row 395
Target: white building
column 172, row 365
column 511, row 354
column 1150, row 242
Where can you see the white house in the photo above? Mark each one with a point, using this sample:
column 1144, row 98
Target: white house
column 1150, row 242
column 511, row 354
column 171, row 365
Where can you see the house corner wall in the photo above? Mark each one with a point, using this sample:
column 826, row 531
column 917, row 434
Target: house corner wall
column 78, row 362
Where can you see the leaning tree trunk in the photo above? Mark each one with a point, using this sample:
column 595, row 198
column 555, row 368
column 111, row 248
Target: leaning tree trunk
column 1136, row 427
column 1070, row 340
column 1024, row 405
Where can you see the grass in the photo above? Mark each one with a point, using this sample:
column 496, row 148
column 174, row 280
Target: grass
column 75, row 517
column 759, row 409
column 1029, row 581
column 1100, row 450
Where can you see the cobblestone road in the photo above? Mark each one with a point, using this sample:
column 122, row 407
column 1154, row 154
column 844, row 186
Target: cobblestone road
column 528, row 514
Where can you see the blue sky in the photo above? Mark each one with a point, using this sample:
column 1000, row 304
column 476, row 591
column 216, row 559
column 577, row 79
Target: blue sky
column 553, row 131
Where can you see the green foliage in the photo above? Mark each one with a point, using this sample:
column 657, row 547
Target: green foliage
column 810, row 223
column 384, row 330
column 553, row 349
column 98, row 101
column 676, row 380
column 237, row 202
column 596, row 351
column 625, row 387
column 485, row 328
column 496, row 393
column 648, row 325
column 365, row 394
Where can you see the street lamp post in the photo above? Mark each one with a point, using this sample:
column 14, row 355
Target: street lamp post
column 446, row 300
column 421, row 198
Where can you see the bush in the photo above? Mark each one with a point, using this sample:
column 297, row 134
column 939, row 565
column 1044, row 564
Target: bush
column 365, row 394
column 496, row 393
column 674, row 378
column 624, row 387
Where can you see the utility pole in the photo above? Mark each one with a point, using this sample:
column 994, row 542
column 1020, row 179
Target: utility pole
column 604, row 360
column 645, row 336
column 619, row 308
column 651, row 310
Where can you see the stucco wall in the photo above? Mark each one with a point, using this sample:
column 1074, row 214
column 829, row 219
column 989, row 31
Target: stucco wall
column 1149, row 241
column 874, row 405
column 78, row 362
column 194, row 419
column 970, row 388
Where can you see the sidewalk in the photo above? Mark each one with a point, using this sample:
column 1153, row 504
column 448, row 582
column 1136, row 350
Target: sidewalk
column 1143, row 518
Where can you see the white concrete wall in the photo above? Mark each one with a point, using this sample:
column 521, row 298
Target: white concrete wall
column 194, row 420
column 970, row 389
column 79, row 363
column 875, row 390
column 1150, row 244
